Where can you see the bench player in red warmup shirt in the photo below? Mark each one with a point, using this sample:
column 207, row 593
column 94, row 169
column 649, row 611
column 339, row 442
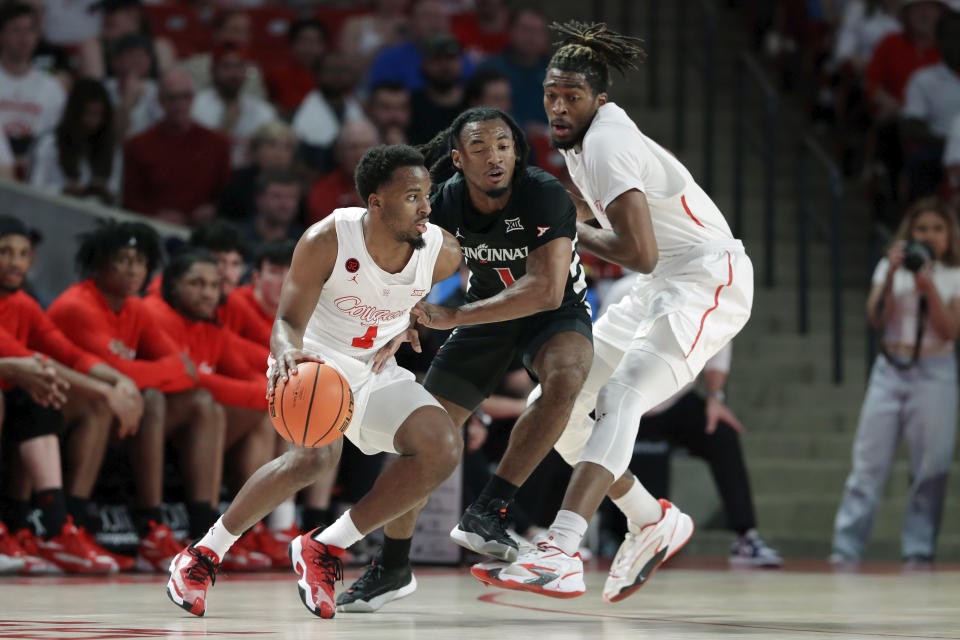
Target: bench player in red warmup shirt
column 231, row 368
column 103, row 315
column 96, row 394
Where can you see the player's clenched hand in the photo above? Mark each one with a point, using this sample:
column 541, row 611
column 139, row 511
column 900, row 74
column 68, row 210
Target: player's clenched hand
column 285, row 365
column 386, row 351
column 37, row 377
column 434, row 316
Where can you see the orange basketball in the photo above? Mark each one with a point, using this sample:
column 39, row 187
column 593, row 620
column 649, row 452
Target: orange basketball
column 314, row 407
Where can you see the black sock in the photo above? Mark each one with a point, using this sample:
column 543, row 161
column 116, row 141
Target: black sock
column 79, row 508
column 143, row 517
column 496, row 489
column 201, row 516
column 395, row 552
column 53, row 510
column 15, row 514
column 313, row 518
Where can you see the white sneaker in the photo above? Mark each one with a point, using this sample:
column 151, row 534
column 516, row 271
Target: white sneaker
column 644, row 549
column 542, row 569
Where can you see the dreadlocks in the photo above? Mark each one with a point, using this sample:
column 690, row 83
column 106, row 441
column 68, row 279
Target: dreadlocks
column 437, row 151
column 592, row 49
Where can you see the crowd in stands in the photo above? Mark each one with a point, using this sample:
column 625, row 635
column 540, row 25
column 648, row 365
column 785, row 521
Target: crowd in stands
column 243, row 121
column 882, row 77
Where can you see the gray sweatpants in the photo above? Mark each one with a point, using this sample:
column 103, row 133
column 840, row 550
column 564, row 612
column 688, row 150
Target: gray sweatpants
column 919, row 404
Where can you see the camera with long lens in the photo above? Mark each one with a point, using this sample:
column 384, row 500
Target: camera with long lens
column 916, row 254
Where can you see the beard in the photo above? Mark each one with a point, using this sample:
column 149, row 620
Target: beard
column 442, row 85
column 569, row 144
column 497, row 193
column 417, row 243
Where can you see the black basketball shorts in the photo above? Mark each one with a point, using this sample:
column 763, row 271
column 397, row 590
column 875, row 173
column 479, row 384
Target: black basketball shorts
column 473, row 360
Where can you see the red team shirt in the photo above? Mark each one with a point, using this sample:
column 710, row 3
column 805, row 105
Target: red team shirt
column 242, row 314
column 25, row 330
column 229, row 367
column 129, row 340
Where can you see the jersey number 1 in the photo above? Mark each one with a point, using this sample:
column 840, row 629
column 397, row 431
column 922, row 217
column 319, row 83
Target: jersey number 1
column 505, row 275
column 366, row 340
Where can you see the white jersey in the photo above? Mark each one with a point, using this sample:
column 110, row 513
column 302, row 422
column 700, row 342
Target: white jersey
column 362, row 307
column 616, row 157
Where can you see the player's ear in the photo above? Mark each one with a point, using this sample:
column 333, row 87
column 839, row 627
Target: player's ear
column 373, row 200
column 455, row 156
column 602, row 98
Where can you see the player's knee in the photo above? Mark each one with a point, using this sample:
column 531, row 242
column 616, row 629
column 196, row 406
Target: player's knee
column 154, row 404
column 564, row 383
column 305, row 465
column 203, row 402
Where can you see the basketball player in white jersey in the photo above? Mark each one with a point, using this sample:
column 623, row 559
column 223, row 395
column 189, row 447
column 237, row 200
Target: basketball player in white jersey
column 354, row 278
column 693, row 295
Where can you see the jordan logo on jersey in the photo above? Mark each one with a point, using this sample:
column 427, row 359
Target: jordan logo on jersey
column 541, row 231
column 513, row 224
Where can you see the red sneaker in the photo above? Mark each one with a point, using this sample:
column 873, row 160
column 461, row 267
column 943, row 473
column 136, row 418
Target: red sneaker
column 191, row 572
column 319, row 567
column 267, row 543
column 157, row 550
column 284, row 536
column 70, row 552
column 124, row 563
column 12, row 556
column 244, row 556
column 35, row 564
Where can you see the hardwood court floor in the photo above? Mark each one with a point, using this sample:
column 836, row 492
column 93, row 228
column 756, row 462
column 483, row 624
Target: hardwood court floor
column 695, row 598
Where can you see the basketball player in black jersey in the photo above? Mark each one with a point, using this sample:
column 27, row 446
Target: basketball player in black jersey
column 517, row 229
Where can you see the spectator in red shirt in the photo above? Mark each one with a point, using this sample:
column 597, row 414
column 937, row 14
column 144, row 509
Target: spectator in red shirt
column 97, row 395
column 289, row 83
column 900, row 54
column 337, row 189
column 233, row 370
column 249, row 310
column 175, row 170
column 103, row 314
column 389, row 110
column 486, row 31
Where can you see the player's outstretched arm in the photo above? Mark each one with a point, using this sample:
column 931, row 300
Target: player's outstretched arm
column 539, row 289
column 448, row 261
column 630, row 243
column 312, row 265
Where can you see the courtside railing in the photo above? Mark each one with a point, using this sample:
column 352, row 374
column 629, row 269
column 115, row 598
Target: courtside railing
column 810, row 152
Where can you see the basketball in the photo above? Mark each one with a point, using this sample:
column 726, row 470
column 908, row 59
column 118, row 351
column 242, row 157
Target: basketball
column 314, row 407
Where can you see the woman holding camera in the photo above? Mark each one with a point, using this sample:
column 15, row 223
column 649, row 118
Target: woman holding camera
column 915, row 307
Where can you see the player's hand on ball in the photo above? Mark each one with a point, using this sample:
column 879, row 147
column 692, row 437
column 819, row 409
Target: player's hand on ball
column 285, row 365
column 386, row 352
column 435, row 316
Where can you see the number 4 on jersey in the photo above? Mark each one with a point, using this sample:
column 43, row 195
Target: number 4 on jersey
column 505, row 275
column 366, row 340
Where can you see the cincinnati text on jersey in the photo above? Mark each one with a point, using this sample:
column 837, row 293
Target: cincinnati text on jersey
column 483, row 253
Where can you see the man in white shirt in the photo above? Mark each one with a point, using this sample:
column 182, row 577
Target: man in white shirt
column 693, row 294
column 224, row 106
column 932, row 104
column 31, row 101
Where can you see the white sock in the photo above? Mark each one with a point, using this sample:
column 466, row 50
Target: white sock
column 283, row 517
column 342, row 533
column 639, row 506
column 218, row 539
column 567, row 531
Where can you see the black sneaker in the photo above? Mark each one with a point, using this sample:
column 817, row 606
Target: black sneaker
column 482, row 529
column 376, row 587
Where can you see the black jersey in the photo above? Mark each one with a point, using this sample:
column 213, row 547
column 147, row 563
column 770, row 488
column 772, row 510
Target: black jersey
column 496, row 245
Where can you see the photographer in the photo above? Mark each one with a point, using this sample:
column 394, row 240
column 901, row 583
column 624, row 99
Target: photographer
column 915, row 306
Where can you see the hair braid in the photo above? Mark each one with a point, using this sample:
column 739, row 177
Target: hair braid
column 592, row 49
